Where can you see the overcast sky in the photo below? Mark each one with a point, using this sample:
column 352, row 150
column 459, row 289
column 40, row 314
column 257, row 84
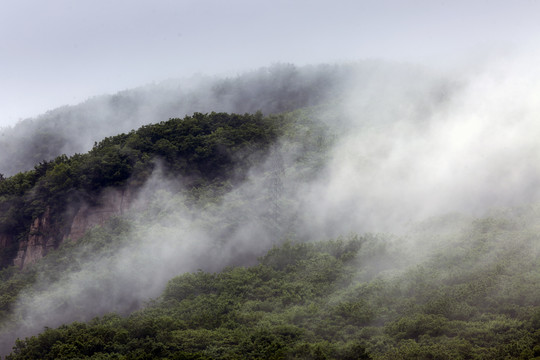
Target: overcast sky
column 59, row 52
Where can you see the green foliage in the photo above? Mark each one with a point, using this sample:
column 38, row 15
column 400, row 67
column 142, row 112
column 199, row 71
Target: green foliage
column 475, row 296
column 237, row 313
column 73, row 129
column 204, row 149
column 12, row 282
column 471, row 300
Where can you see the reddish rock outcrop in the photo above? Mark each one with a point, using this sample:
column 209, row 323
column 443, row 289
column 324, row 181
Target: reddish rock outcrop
column 44, row 235
column 110, row 203
column 41, row 239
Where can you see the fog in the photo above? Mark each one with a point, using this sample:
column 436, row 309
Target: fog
column 418, row 148
column 74, row 129
column 403, row 144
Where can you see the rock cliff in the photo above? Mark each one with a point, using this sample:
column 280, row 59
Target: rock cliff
column 40, row 240
column 45, row 234
column 111, row 203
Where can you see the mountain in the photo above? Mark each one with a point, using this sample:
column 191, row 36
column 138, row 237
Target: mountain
column 74, row 129
column 389, row 213
column 275, row 89
column 174, row 175
column 61, row 199
column 476, row 297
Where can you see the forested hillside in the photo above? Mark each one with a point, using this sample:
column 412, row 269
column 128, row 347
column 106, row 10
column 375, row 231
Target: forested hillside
column 475, row 298
column 202, row 149
column 383, row 213
column 180, row 171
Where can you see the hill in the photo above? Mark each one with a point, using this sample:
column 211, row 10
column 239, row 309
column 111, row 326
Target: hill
column 203, row 149
column 210, row 235
column 474, row 298
column 74, row 129
column 146, row 191
column 274, row 89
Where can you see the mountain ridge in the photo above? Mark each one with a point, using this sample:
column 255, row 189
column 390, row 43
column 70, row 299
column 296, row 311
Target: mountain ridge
column 237, row 250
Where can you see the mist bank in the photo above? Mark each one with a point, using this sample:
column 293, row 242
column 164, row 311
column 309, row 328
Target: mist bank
column 400, row 145
column 173, row 227
column 473, row 293
column 75, row 129
column 420, row 146
column 274, row 89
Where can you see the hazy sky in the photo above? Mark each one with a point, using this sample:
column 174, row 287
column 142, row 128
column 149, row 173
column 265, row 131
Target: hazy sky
column 58, row 52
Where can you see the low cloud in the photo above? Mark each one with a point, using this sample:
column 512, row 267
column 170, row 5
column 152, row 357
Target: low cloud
column 404, row 144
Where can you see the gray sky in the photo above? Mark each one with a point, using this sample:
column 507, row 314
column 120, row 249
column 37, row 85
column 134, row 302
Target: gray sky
column 59, row 52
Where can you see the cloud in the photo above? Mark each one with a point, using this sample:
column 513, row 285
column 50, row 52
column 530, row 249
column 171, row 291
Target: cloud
column 405, row 144
column 417, row 145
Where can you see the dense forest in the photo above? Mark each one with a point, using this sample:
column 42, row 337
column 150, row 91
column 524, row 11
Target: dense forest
column 349, row 219
column 350, row 298
column 199, row 160
column 203, row 149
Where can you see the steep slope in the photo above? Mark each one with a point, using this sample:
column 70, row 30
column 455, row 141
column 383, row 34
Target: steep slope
column 190, row 178
column 475, row 297
column 61, row 199
column 385, row 157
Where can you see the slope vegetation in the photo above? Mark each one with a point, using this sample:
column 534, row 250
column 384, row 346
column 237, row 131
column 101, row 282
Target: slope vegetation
column 334, row 300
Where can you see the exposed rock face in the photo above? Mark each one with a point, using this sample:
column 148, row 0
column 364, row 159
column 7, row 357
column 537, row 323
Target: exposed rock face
column 44, row 235
column 41, row 239
column 111, row 203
